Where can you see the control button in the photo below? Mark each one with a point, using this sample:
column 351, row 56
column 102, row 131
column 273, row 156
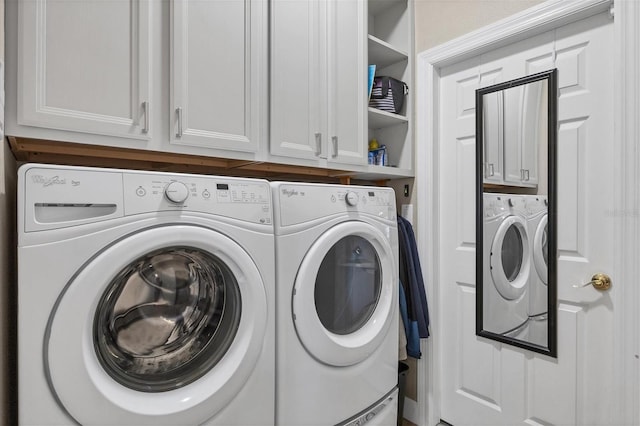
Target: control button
column 176, row 192
column 206, row 193
column 141, row 192
column 351, row 198
column 333, row 198
column 370, row 416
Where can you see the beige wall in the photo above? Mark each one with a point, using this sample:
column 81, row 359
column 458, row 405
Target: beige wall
column 438, row 21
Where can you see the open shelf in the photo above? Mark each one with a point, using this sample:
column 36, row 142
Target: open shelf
column 379, row 119
column 383, row 54
column 390, row 49
column 376, row 173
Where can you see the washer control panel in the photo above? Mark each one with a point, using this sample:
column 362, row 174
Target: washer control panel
column 62, row 196
column 217, row 195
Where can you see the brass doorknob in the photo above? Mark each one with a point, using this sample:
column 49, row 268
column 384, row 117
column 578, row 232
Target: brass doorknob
column 601, row 282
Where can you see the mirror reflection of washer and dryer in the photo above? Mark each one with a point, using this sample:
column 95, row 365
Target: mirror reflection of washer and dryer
column 153, row 298
column 515, row 258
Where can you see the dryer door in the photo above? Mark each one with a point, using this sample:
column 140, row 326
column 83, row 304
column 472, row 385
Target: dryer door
column 540, row 249
column 510, row 260
column 345, row 293
column 163, row 327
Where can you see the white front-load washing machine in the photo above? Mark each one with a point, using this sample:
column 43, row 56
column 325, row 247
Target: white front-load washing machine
column 506, row 265
column 537, row 222
column 144, row 298
column 337, row 304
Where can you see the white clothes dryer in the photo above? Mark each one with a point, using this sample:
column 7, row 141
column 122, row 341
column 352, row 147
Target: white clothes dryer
column 337, row 304
column 144, row 298
column 537, row 221
column 507, row 263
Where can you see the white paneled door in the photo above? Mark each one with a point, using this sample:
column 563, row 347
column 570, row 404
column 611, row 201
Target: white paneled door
column 484, row 382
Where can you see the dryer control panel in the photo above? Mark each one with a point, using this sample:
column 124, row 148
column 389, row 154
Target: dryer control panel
column 299, row 203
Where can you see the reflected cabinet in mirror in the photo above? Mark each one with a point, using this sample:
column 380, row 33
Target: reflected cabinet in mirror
column 516, row 125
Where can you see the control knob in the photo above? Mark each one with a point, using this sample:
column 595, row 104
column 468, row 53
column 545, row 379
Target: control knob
column 351, row 198
column 176, row 192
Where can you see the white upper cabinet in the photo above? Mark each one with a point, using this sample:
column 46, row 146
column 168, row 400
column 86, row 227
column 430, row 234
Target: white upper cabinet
column 280, row 81
column 318, row 80
column 217, row 54
column 186, row 76
column 84, row 66
column 347, row 77
column 298, row 84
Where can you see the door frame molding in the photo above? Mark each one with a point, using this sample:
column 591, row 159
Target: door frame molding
column 542, row 18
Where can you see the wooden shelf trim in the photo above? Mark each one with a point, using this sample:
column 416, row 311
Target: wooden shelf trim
column 46, row 151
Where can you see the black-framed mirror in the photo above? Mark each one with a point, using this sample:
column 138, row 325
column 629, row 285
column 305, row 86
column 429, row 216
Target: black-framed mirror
column 516, row 236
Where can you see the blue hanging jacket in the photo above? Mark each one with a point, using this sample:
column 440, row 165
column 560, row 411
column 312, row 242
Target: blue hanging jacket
column 410, row 328
column 411, row 279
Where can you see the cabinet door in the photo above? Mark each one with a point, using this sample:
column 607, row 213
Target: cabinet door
column 513, row 171
column 298, row 79
column 347, row 76
column 493, row 114
column 218, row 74
column 84, row 66
column 521, row 134
column 534, row 126
column 492, row 109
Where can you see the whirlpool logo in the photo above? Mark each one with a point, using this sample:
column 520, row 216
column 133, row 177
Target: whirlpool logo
column 46, row 181
column 292, row 193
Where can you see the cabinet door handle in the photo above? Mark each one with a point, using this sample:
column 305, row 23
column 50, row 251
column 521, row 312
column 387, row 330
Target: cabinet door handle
column 145, row 110
column 526, row 175
column 491, row 171
column 179, row 115
column 318, row 144
column 334, row 142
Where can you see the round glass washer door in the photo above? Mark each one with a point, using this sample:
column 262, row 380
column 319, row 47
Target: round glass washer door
column 344, row 293
column 510, row 261
column 541, row 249
column 164, row 325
